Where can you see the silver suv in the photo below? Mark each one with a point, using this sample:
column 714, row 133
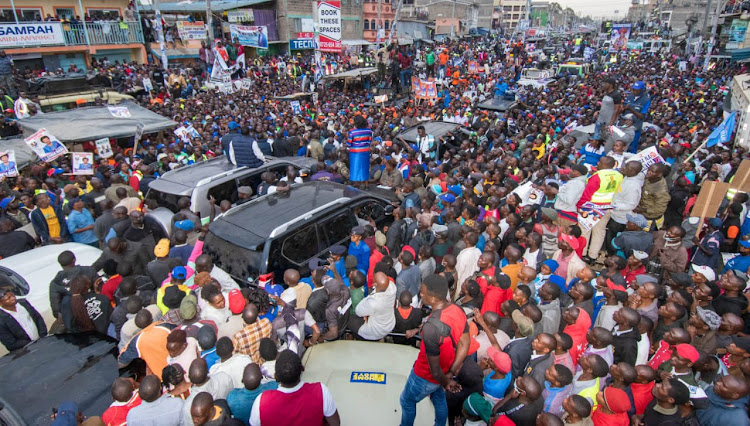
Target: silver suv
column 217, row 177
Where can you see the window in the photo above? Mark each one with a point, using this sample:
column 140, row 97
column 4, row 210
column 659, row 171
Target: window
column 104, row 14
column 370, row 210
column 297, row 25
column 386, row 25
column 64, row 12
column 507, row 8
column 24, row 15
column 301, row 245
column 367, row 24
column 226, row 191
column 9, row 278
column 336, row 229
column 355, row 23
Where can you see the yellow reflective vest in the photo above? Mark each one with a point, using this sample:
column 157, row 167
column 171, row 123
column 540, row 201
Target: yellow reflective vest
column 609, row 184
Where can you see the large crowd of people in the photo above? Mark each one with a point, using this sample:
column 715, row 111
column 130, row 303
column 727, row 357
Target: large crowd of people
column 524, row 310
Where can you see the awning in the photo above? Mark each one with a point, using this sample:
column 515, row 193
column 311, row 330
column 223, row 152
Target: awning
column 200, row 6
column 181, row 53
column 91, row 123
column 739, row 54
column 355, row 73
column 357, row 42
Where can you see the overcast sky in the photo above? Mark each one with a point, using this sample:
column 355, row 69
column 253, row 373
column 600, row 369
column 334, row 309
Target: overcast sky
column 598, row 8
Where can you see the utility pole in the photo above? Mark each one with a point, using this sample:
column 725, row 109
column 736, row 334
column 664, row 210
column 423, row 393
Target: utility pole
column 705, row 17
column 377, row 31
column 209, row 25
column 160, row 35
column 712, row 40
column 453, row 21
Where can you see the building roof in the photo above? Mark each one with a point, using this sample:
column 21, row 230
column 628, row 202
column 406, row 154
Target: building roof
column 200, row 6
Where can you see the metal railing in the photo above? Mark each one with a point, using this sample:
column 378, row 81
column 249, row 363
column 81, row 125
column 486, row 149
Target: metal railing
column 91, row 33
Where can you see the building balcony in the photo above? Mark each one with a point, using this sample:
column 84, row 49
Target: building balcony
column 43, row 34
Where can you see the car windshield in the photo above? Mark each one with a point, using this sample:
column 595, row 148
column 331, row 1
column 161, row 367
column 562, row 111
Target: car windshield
column 241, row 263
column 164, row 199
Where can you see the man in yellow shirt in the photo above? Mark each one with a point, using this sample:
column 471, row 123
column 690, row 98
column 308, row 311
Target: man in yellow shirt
column 49, row 221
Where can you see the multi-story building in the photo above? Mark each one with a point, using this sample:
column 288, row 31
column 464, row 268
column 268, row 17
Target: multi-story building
column 291, row 14
column 513, row 12
column 378, row 15
column 462, row 15
column 539, row 14
column 53, row 34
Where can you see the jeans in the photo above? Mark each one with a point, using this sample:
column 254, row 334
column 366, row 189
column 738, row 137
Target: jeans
column 634, row 144
column 415, row 390
column 598, row 131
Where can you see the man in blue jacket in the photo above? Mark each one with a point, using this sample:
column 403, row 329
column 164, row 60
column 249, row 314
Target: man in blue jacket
column 728, row 400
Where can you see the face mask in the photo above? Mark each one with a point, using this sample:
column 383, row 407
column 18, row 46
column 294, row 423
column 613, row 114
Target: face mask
column 515, row 387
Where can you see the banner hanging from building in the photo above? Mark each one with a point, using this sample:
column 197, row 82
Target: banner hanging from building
column 329, row 25
column 240, row 15
column 620, row 35
column 252, row 36
column 31, row 34
column 191, row 30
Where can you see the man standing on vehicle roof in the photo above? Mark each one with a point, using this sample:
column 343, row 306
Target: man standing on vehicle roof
column 638, row 103
column 445, row 344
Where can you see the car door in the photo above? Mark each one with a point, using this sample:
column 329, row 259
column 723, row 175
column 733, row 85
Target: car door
column 294, row 250
column 336, row 228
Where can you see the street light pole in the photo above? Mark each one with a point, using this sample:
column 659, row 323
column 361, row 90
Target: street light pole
column 209, row 25
column 712, row 40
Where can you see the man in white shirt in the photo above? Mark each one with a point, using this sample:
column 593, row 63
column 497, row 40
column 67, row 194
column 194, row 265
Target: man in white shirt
column 466, row 261
column 20, row 323
column 378, row 309
column 218, row 385
column 625, row 199
column 274, row 405
column 231, row 364
column 427, row 145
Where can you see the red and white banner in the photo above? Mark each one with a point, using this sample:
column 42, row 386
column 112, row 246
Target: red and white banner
column 305, row 36
column 329, row 25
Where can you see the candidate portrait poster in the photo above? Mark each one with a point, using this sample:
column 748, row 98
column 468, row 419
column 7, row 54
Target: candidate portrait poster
column 83, row 163
column 8, row 164
column 104, row 148
column 620, row 36
column 46, row 146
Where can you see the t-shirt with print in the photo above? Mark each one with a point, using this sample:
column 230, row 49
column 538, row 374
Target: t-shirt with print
column 52, row 222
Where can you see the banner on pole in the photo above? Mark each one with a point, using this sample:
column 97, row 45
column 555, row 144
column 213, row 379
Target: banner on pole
column 329, row 25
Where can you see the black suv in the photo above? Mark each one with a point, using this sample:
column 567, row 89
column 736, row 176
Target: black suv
column 285, row 230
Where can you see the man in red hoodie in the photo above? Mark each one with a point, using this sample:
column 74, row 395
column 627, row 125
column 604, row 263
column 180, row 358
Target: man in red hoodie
column 612, row 409
column 125, row 399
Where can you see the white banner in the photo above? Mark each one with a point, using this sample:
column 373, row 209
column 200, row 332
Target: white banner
column 240, row 15
column 31, row 34
column 647, row 157
column 103, row 148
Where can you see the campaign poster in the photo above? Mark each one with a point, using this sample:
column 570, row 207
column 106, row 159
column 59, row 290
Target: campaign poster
column 296, row 108
column 329, row 25
column 46, row 146
column 620, row 36
column 191, row 30
column 737, row 31
column 83, row 163
column 148, row 85
column 252, row 36
column 648, row 157
column 103, row 148
column 119, row 112
column 8, row 164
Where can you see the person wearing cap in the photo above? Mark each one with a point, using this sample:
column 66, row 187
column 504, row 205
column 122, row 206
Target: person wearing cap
column 669, row 250
column 568, row 262
column 177, row 279
column 159, row 268
column 739, row 263
column 634, row 266
column 359, row 249
column 708, row 249
column 432, row 374
column 632, row 237
column 680, row 367
column 80, row 223
column 728, row 400
column 20, row 322
column 705, row 323
column 600, row 190
column 612, row 408
column 548, row 230
column 476, row 410
column 637, row 103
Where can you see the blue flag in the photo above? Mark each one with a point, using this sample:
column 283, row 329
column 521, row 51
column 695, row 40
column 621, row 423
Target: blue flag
column 723, row 132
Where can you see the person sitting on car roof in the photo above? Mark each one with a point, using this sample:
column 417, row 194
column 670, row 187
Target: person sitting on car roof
column 18, row 327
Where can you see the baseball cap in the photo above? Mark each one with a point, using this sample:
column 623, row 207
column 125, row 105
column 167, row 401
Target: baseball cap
column 571, row 240
column 612, row 286
column 637, row 219
column 185, row 225
column 162, row 248
column 448, row 198
column 67, row 414
column 645, row 278
column 707, row 272
column 477, row 405
column 179, row 272
column 715, row 222
column 687, row 351
column 499, row 358
column 237, row 301
column 525, row 324
column 617, row 400
column 315, row 264
column 638, row 85
column 245, row 190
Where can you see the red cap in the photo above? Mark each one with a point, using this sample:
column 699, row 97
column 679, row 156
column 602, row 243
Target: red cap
column 571, row 240
column 617, row 400
column 500, row 359
column 237, row 301
column 687, row 351
column 613, row 286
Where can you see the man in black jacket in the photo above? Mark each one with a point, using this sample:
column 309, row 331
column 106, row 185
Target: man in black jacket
column 519, row 349
column 625, row 335
column 13, row 242
column 59, row 287
column 121, row 250
column 18, row 326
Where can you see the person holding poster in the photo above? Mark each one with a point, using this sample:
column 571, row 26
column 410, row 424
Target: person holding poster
column 83, row 163
column 358, row 142
column 46, row 146
column 8, row 164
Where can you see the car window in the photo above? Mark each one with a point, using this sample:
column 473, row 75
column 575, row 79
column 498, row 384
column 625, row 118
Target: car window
column 224, row 191
column 370, row 209
column 337, row 229
column 164, row 199
column 252, row 180
column 9, row 278
column 300, row 245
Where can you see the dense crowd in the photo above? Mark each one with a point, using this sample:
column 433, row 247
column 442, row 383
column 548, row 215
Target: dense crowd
column 524, row 313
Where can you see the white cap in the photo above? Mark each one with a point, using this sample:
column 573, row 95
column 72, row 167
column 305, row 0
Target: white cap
column 640, row 255
column 705, row 271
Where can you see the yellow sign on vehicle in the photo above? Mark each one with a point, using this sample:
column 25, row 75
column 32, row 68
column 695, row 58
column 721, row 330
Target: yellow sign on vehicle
column 368, row 377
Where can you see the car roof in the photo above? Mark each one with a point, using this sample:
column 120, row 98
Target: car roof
column 184, row 179
column 333, row 364
column 58, row 368
column 250, row 224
